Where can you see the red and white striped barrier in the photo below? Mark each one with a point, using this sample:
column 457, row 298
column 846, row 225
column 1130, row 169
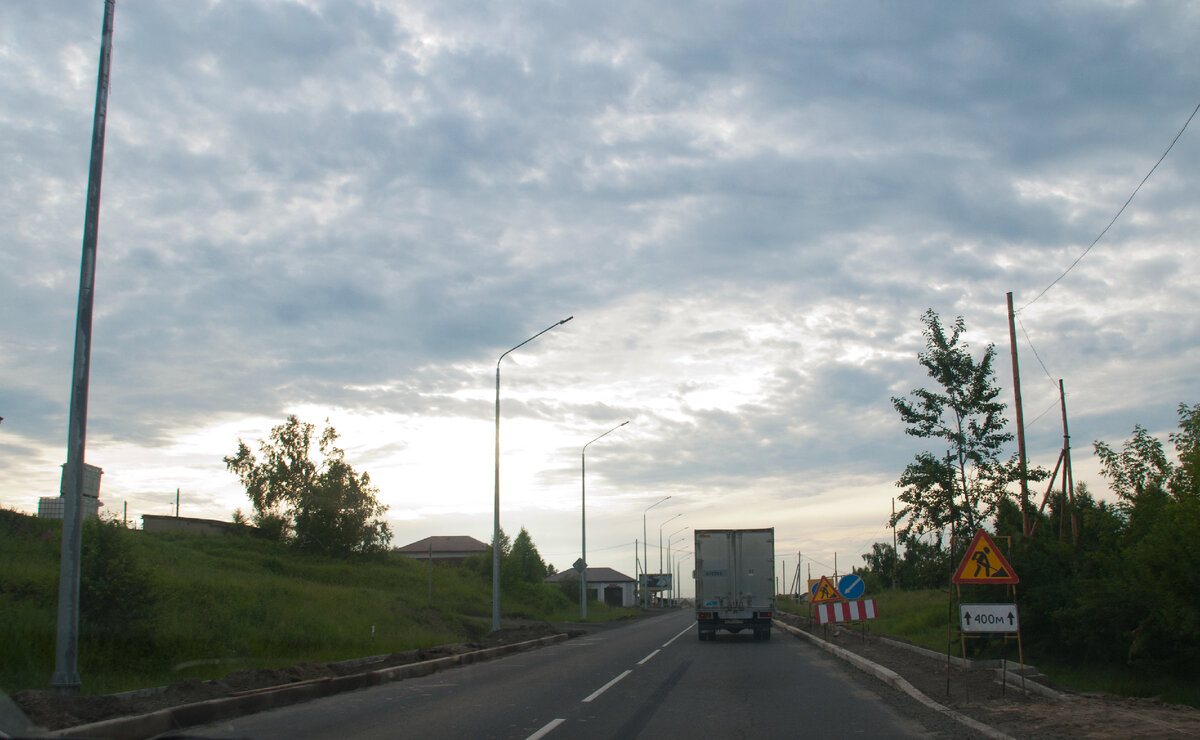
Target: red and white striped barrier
column 846, row 611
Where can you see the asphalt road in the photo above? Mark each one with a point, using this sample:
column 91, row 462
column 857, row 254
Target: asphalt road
column 651, row 678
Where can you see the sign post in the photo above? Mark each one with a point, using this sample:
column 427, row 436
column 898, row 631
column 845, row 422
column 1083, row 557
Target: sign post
column 984, row 565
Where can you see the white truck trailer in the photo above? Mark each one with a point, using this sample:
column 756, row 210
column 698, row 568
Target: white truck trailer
column 735, row 581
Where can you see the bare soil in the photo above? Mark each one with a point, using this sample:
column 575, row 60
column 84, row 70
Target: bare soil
column 978, row 694
column 51, row 711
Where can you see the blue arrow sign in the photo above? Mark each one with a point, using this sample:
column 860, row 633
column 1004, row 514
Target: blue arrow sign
column 851, row 586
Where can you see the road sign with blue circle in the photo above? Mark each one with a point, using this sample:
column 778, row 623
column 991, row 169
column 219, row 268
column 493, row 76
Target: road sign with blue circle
column 851, row 586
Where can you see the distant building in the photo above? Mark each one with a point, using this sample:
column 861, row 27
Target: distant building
column 189, row 525
column 604, row 584
column 452, row 549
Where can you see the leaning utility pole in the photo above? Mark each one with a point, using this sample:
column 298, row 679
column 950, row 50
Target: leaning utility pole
column 1012, row 342
column 66, row 674
column 1068, row 475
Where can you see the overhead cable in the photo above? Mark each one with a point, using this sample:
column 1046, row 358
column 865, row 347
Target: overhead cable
column 1119, row 212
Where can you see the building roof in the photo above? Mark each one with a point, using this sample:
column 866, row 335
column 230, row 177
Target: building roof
column 445, row 543
column 594, row 575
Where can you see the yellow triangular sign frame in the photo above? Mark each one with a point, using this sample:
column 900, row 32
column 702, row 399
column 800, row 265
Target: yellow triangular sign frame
column 985, row 563
column 825, row 592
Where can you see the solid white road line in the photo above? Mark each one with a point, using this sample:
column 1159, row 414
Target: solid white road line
column 546, row 730
column 606, row 687
column 676, row 637
column 648, row 657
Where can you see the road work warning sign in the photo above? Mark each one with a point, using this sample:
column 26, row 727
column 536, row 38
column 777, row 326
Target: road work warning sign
column 825, row 592
column 984, row 564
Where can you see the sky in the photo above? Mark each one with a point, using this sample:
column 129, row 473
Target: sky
column 350, row 210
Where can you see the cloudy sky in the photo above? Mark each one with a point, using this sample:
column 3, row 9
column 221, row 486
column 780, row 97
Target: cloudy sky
column 350, row 210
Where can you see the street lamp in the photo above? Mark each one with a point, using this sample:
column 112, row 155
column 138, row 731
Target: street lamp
column 660, row 563
column 680, row 560
column 669, row 562
column 496, row 522
column 645, row 554
column 583, row 522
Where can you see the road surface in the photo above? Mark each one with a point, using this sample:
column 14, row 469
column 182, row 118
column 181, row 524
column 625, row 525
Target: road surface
column 651, row 678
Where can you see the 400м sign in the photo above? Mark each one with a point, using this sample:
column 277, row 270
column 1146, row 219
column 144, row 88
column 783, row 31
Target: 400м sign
column 988, row 618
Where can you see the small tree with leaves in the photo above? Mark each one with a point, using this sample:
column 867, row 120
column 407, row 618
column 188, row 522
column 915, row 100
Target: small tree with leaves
column 961, row 484
column 323, row 506
column 1141, row 468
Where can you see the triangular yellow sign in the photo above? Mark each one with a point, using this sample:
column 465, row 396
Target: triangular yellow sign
column 984, row 564
column 825, row 592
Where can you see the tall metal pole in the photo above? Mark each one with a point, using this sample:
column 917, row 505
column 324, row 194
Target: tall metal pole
column 645, row 554
column 1012, row 342
column 583, row 522
column 496, row 518
column 66, row 674
column 660, row 545
column 670, row 562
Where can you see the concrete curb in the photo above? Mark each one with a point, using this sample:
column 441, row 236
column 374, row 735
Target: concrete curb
column 1012, row 676
column 215, row 710
column 894, row 680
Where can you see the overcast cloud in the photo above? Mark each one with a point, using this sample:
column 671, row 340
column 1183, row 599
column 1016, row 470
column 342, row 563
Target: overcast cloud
column 351, row 209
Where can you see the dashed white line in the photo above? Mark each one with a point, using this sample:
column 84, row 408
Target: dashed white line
column 546, row 730
column 606, row 687
column 648, row 657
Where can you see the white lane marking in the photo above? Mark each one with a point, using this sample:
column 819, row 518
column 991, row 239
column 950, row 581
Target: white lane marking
column 648, row 657
column 676, row 637
column 546, row 730
column 605, row 687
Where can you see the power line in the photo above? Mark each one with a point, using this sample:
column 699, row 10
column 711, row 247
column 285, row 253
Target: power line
column 1035, row 352
column 1119, row 212
column 1048, row 408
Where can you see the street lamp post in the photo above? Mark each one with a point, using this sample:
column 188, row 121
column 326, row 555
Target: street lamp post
column 645, row 554
column 669, row 562
column 660, row 558
column 583, row 522
column 679, row 561
column 496, row 522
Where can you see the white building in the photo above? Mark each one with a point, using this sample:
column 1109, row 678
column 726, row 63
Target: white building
column 604, row 584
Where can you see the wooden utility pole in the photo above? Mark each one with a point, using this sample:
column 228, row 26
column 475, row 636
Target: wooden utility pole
column 1016, row 371
column 1068, row 476
column 895, row 552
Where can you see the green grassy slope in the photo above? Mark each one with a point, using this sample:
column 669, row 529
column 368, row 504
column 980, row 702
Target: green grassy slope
column 215, row 604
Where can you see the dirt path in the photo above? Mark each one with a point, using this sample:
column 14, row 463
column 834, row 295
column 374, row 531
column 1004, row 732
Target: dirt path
column 978, row 694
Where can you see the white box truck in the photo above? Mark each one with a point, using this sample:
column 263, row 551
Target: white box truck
column 735, row 581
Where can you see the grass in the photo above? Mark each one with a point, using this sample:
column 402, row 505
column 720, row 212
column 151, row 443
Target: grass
column 920, row 617
column 1122, row 681
column 217, row 604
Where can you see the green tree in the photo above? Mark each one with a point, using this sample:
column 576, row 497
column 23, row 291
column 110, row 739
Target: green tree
column 961, row 487
column 527, row 565
column 1186, row 481
column 1141, row 468
column 321, row 506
